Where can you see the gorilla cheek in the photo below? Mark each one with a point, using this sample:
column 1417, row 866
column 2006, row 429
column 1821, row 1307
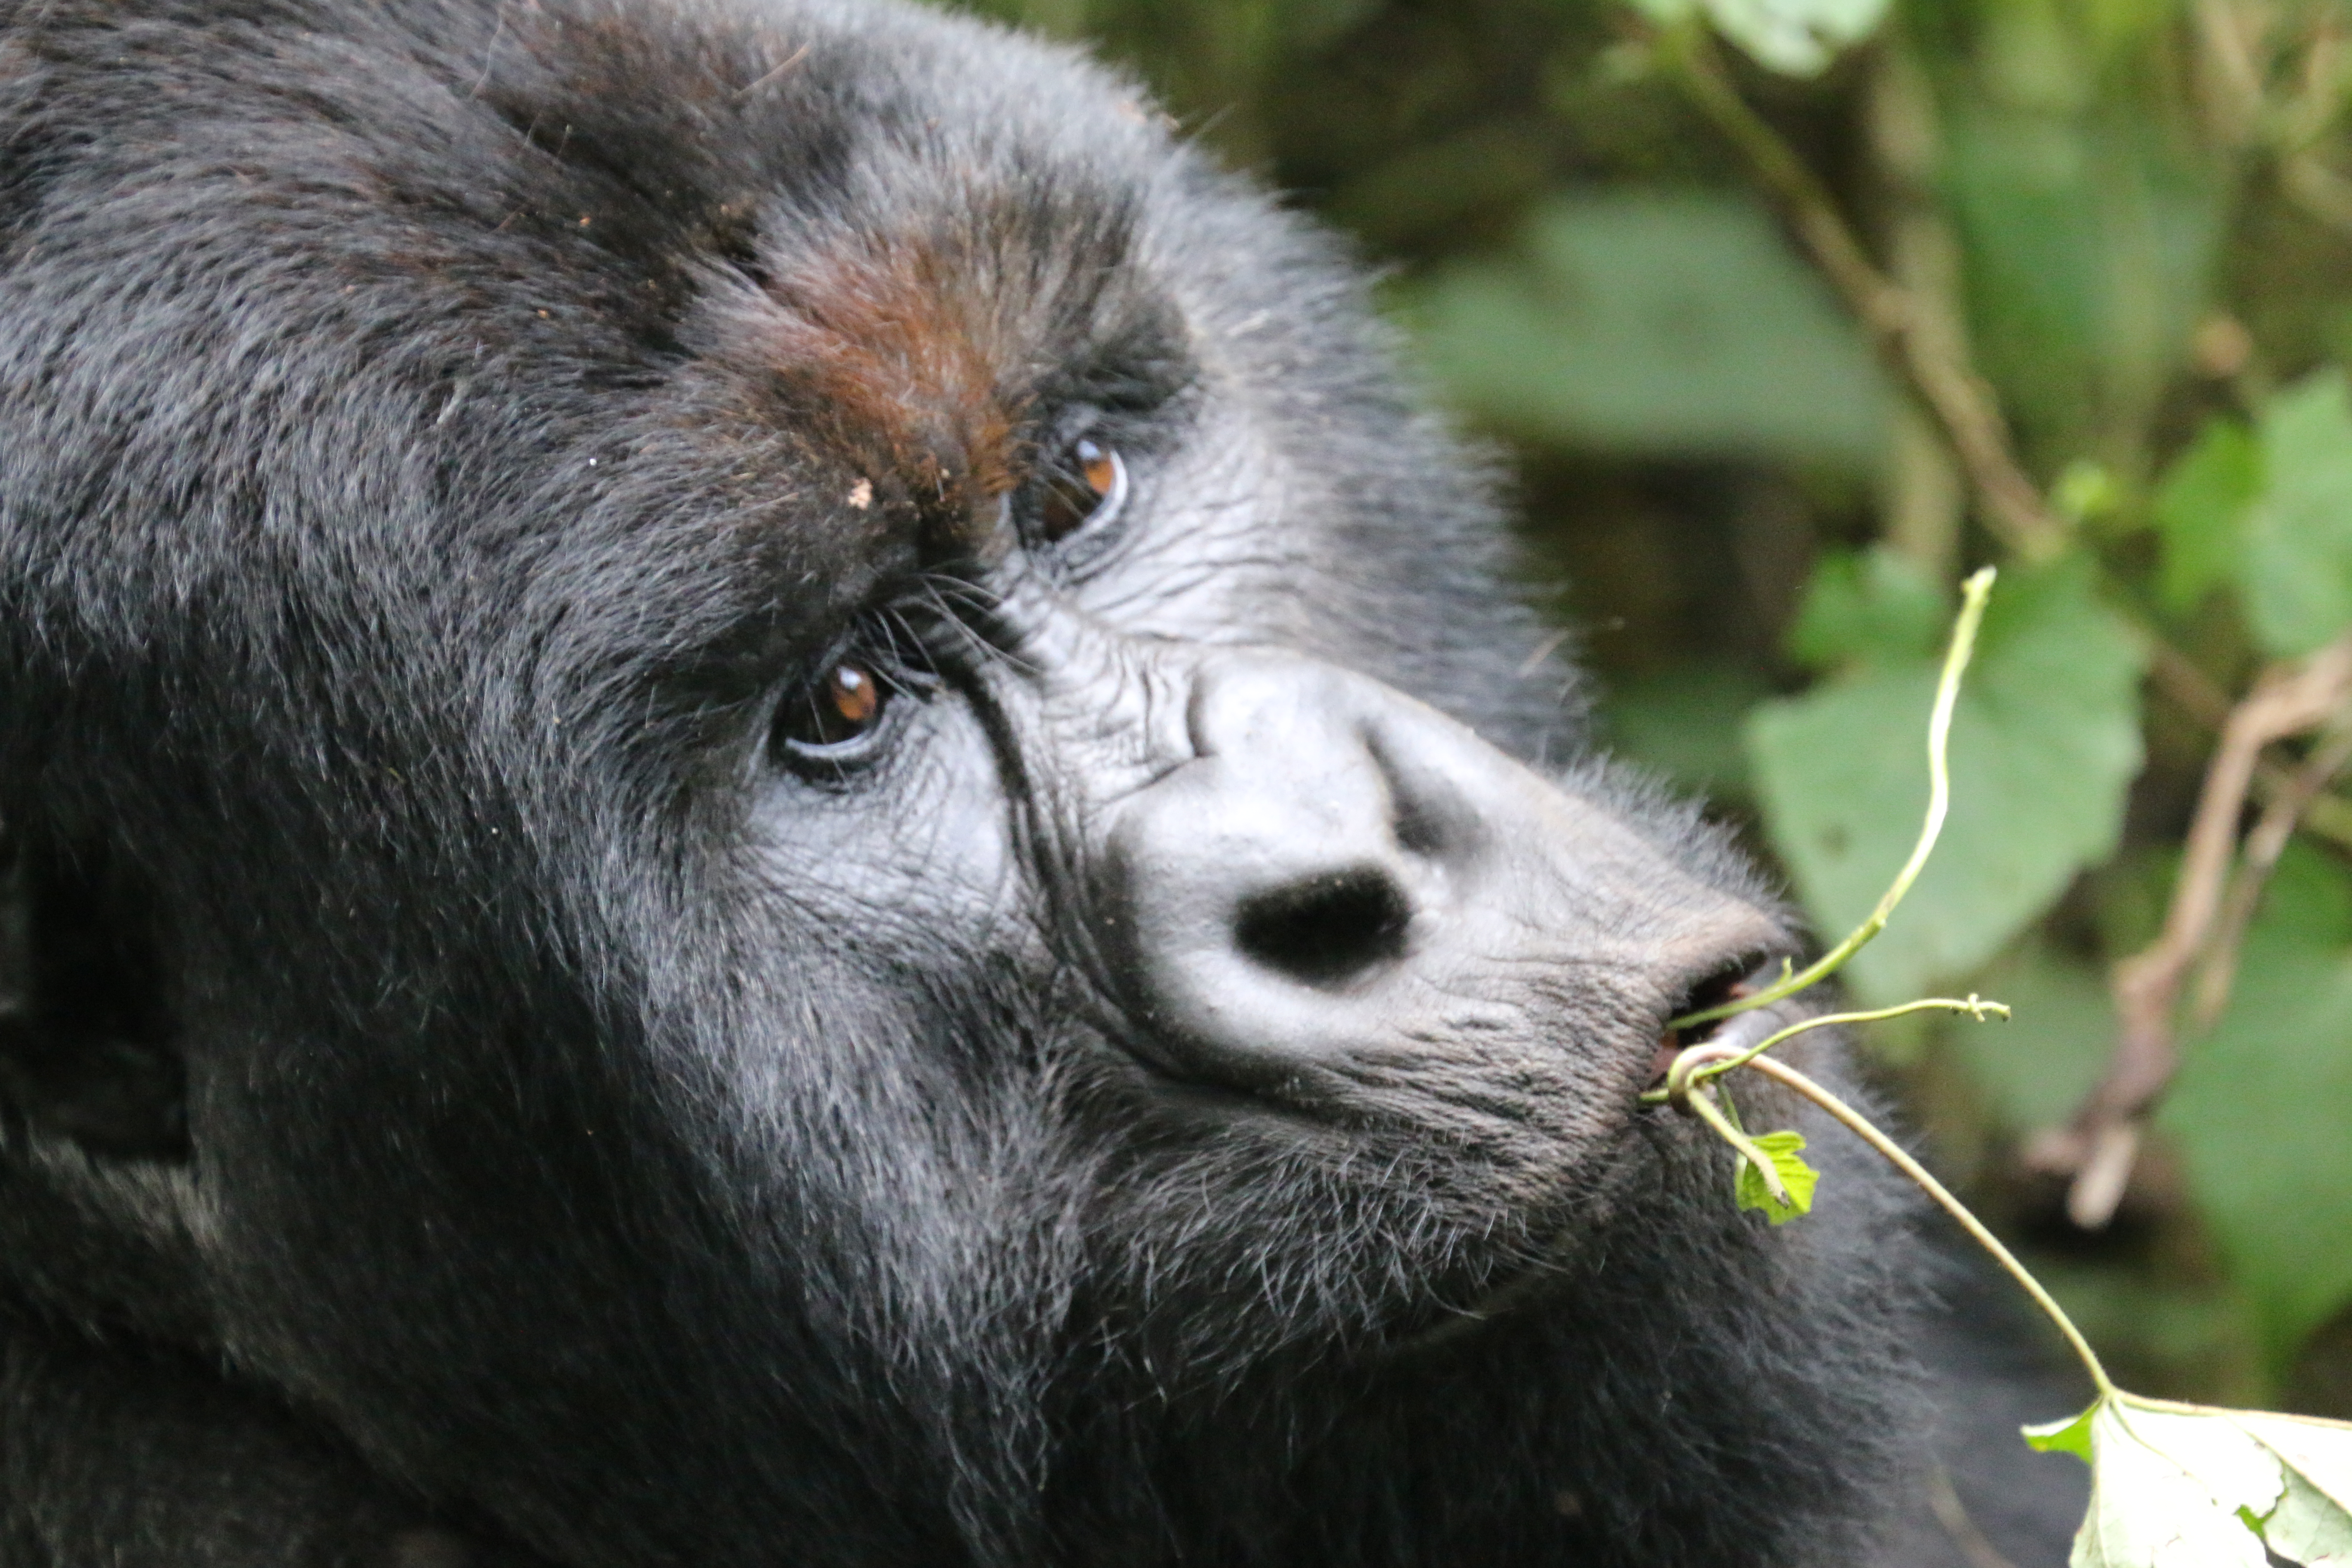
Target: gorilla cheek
column 916, row 849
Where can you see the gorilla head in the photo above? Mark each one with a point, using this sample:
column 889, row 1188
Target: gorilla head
column 743, row 745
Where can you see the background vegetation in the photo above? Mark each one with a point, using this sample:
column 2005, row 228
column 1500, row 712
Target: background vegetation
column 2089, row 322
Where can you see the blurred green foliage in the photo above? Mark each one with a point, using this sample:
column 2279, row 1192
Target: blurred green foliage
column 1655, row 321
column 2131, row 221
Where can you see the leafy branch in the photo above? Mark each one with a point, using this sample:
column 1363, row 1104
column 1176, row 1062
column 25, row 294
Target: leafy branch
column 2171, row 1484
column 2244, row 48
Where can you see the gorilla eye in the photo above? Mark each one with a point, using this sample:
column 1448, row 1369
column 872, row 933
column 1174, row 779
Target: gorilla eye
column 1087, row 485
column 845, row 707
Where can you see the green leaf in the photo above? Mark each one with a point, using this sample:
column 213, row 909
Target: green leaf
column 2200, row 511
column 1785, row 1151
column 2068, row 1434
column 1654, row 323
column 2312, row 1523
column 2184, row 1486
column 1798, row 37
column 2045, row 740
column 2261, row 1110
column 2035, row 1068
column 1867, row 607
column 2298, row 567
column 2089, row 242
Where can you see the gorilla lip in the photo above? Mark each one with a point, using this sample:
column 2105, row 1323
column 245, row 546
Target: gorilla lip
column 1739, row 1031
column 1526, row 1285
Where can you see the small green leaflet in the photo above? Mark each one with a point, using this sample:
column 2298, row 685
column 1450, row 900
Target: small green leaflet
column 1784, row 1150
column 2200, row 511
column 2189, row 1486
column 1871, row 607
column 2297, row 567
column 1797, row 38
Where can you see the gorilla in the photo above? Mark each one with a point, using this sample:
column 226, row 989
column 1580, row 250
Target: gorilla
column 768, row 802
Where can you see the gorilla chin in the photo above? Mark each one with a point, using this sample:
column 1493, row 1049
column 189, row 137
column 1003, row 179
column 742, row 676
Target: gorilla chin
column 767, row 801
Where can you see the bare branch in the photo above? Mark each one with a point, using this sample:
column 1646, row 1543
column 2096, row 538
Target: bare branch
column 2101, row 1143
column 2200, row 700
column 2285, row 812
column 1960, row 403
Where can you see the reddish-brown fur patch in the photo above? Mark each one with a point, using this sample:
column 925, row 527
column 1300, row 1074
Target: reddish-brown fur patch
column 893, row 351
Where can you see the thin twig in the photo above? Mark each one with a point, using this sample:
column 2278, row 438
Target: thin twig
column 1944, row 1501
column 1960, row 403
column 1681, row 1079
column 2098, row 1147
column 2219, row 969
column 1702, row 1104
column 2199, row 699
column 2246, row 119
column 2233, row 81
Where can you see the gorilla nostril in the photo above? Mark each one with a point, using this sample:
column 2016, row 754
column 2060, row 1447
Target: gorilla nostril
column 1325, row 929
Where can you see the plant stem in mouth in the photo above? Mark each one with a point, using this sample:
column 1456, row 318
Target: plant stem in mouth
column 1697, row 1068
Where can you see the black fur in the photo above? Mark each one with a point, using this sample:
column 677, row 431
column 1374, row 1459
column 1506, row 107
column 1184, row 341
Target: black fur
column 466, row 1099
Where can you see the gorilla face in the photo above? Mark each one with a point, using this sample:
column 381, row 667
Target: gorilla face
column 727, row 731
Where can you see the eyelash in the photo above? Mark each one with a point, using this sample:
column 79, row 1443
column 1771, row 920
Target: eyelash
column 838, row 721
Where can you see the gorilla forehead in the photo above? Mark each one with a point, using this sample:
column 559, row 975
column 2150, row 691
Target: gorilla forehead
column 565, row 343
column 646, row 296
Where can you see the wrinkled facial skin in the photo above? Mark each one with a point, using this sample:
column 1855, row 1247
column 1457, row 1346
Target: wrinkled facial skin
column 769, row 808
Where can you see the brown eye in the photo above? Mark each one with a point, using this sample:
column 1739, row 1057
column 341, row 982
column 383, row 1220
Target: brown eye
column 1087, row 485
column 843, row 707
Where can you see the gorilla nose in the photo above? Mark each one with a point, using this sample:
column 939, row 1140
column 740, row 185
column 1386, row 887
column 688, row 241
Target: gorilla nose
column 1338, row 871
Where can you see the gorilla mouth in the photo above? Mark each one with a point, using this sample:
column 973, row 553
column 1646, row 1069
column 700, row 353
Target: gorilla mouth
column 1737, row 1032
column 1729, row 983
column 1533, row 1282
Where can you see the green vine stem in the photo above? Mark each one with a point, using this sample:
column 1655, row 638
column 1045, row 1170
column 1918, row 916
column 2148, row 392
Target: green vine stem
column 1702, row 1103
column 1690, row 1082
column 1688, row 1070
column 1862, row 1128
column 1973, row 594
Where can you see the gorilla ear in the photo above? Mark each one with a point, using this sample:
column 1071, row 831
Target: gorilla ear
column 88, row 1048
